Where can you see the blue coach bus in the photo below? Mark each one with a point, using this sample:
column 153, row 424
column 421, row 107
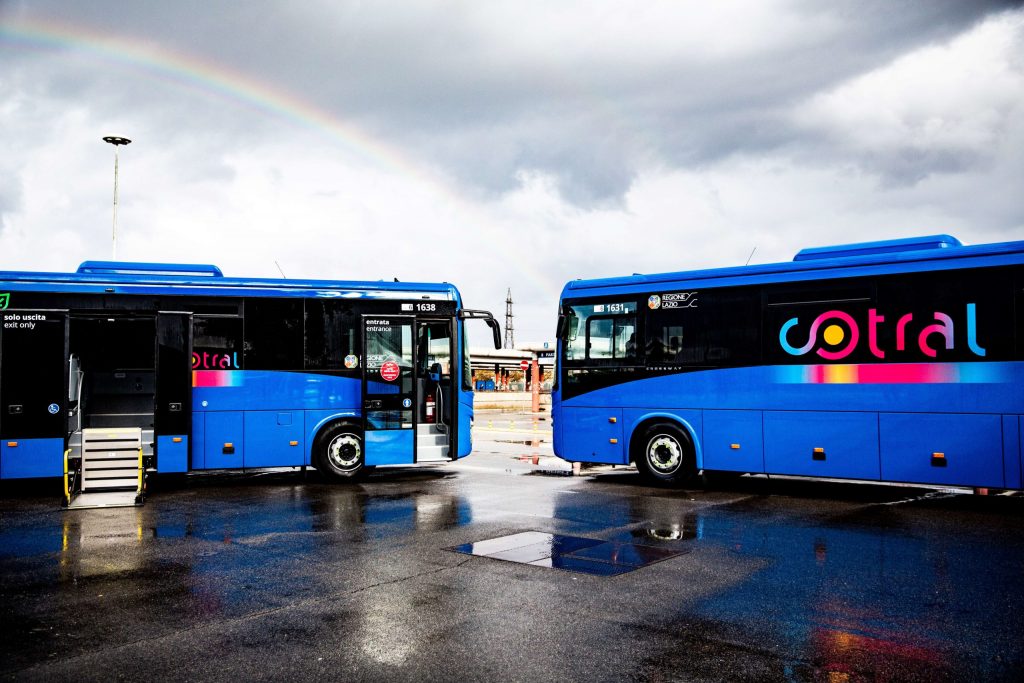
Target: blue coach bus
column 120, row 369
column 895, row 361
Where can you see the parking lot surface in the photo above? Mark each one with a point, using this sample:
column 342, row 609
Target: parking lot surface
column 272, row 576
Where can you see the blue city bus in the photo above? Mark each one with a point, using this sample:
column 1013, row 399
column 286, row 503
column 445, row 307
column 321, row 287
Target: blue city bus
column 893, row 361
column 123, row 369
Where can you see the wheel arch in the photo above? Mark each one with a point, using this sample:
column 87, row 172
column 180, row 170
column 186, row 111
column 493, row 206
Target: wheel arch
column 641, row 423
column 323, row 424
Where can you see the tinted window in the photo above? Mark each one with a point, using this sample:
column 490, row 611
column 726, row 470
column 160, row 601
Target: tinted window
column 216, row 343
column 708, row 328
column 332, row 335
column 273, row 334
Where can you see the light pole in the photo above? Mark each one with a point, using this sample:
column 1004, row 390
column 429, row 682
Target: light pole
column 116, row 142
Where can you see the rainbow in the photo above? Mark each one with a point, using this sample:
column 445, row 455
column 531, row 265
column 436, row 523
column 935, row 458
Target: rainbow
column 211, row 79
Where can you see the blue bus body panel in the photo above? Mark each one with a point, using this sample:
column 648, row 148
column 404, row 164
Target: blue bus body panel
column 198, row 446
column 971, row 447
column 733, row 440
column 272, row 390
column 465, row 423
column 225, row 446
column 172, row 456
column 389, row 447
column 1013, row 450
column 822, row 444
column 31, row 458
column 598, row 434
column 274, row 438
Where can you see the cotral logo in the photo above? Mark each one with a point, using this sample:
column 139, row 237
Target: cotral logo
column 214, row 361
column 840, row 343
column 5, row 299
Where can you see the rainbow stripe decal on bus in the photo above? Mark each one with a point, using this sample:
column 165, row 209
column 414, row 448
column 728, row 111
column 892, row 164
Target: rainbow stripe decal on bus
column 893, row 373
column 217, row 378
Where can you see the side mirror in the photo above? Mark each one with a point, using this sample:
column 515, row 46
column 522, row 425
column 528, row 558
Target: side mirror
column 496, row 331
column 487, row 317
column 563, row 326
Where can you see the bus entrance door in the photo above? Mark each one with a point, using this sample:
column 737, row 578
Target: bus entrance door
column 389, row 390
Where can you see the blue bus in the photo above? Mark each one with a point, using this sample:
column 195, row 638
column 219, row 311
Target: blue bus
column 894, row 361
column 123, row 369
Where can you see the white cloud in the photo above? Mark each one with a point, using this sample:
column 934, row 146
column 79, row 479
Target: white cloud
column 940, row 108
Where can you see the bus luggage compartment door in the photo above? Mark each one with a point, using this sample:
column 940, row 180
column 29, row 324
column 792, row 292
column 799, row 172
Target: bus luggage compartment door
column 597, row 435
column 960, row 450
column 822, row 444
column 389, row 395
column 733, row 441
column 33, row 393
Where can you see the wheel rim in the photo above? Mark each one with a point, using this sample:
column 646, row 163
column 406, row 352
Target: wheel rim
column 345, row 452
column 664, row 454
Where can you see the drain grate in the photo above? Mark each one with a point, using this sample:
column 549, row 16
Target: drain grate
column 571, row 553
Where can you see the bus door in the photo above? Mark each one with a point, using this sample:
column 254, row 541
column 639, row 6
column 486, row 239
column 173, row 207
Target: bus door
column 33, row 393
column 389, row 390
column 173, row 416
column 437, row 408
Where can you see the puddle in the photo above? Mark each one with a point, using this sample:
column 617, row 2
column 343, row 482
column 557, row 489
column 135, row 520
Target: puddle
column 570, row 553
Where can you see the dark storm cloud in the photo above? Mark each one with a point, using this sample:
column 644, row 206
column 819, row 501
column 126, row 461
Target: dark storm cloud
column 464, row 87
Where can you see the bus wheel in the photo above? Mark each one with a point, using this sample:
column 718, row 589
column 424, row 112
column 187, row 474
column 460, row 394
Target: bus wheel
column 664, row 454
column 339, row 452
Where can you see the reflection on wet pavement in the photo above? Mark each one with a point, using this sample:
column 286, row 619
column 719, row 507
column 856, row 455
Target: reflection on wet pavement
column 572, row 553
column 285, row 577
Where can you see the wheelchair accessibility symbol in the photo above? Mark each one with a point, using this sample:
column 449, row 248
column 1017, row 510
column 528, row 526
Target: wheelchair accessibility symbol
column 53, row 408
column 406, row 402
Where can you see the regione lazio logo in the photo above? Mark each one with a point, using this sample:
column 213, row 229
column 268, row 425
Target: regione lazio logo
column 5, row 299
column 837, row 334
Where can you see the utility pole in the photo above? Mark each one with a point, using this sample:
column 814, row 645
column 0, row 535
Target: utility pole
column 116, row 142
column 510, row 337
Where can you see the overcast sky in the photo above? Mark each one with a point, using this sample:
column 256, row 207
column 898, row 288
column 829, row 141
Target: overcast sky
column 503, row 144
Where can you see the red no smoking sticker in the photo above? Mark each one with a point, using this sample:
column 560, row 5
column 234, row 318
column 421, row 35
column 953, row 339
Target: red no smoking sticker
column 389, row 371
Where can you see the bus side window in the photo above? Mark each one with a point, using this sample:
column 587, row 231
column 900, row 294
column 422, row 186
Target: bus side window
column 216, row 343
column 611, row 338
column 331, row 335
column 273, row 334
column 722, row 330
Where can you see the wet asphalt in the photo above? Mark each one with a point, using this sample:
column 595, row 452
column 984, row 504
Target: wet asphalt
column 280, row 576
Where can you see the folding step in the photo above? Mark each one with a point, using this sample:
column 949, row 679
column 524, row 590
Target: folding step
column 432, row 454
column 110, row 458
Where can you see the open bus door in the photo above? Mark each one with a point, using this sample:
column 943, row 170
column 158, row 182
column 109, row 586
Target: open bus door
column 173, row 400
column 33, row 393
column 389, row 390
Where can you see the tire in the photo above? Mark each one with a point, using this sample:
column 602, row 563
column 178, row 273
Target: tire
column 663, row 454
column 338, row 452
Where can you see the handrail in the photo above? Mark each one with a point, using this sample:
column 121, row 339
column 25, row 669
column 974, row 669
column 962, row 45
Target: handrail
column 439, row 412
column 137, row 268
column 67, row 489
column 141, row 471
